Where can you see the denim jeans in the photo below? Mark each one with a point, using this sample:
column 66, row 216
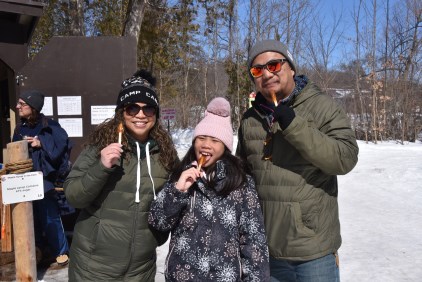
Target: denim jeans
column 48, row 225
column 323, row 269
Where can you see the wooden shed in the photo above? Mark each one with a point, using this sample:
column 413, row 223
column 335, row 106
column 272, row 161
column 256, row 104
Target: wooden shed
column 80, row 76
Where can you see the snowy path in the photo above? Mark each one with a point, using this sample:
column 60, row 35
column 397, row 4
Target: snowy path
column 381, row 214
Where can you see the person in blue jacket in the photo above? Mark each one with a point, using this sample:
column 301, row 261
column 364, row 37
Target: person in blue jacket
column 48, row 145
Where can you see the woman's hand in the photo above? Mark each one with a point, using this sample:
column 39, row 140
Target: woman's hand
column 33, row 141
column 187, row 178
column 111, row 154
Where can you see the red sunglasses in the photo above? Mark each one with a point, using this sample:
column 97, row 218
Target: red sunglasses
column 272, row 66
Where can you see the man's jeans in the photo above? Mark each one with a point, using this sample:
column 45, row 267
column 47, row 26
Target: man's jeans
column 322, row 269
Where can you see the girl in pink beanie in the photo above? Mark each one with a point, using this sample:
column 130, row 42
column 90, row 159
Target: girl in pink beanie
column 212, row 209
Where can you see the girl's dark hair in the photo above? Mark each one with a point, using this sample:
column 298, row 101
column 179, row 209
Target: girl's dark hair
column 236, row 171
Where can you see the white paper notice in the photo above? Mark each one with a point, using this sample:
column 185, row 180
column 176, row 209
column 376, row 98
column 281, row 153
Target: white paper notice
column 47, row 109
column 101, row 113
column 69, row 105
column 18, row 188
column 73, row 126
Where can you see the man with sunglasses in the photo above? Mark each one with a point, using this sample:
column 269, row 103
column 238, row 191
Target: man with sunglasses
column 296, row 140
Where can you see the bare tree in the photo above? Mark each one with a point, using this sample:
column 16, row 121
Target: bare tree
column 134, row 16
column 414, row 8
column 405, row 43
column 322, row 42
column 358, row 73
column 373, row 74
column 292, row 19
column 76, row 18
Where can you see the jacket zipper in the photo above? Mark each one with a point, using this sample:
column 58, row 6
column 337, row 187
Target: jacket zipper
column 240, row 264
column 132, row 240
column 192, row 203
column 167, row 261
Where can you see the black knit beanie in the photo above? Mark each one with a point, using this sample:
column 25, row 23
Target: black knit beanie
column 33, row 98
column 140, row 88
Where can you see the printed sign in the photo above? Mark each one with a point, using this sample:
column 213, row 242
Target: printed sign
column 73, row 126
column 25, row 187
column 101, row 113
column 168, row 113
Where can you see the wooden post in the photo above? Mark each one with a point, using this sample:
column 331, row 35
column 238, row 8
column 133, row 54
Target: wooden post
column 7, row 241
column 23, row 223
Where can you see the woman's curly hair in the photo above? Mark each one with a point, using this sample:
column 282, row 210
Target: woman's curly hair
column 106, row 133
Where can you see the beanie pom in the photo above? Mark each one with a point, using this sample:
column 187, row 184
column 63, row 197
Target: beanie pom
column 219, row 106
column 138, row 89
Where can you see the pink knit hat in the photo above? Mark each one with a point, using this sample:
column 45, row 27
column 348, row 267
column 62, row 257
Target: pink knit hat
column 217, row 122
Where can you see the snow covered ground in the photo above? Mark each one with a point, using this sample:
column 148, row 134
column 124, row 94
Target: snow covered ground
column 380, row 213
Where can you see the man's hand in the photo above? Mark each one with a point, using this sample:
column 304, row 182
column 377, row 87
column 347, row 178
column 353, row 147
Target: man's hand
column 284, row 115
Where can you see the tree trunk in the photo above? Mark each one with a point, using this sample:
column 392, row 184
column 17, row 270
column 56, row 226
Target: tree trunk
column 205, row 83
column 76, row 18
column 373, row 76
column 134, row 16
column 357, row 73
column 215, row 55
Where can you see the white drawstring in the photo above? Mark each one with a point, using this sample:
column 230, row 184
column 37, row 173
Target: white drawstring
column 149, row 169
column 138, row 172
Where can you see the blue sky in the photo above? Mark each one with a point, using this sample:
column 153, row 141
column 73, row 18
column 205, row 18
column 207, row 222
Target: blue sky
column 344, row 8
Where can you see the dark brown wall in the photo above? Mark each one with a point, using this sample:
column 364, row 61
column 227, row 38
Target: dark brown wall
column 18, row 19
column 14, row 55
column 91, row 67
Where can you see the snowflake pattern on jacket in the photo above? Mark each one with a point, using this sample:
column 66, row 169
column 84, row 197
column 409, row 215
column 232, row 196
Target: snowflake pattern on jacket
column 214, row 238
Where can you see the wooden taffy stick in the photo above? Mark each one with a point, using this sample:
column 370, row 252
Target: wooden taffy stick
column 274, row 97
column 120, row 131
column 201, row 161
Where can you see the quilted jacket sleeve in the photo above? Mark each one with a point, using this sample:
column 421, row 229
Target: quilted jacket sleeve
column 324, row 137
column 86, row 179
column 253, row 243
column 166, row 210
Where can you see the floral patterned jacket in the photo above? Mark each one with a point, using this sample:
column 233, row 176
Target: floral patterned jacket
column 214, row 238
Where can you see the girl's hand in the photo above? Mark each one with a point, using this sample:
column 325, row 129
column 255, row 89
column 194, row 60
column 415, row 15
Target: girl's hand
column 111, row 154
column 187, row 178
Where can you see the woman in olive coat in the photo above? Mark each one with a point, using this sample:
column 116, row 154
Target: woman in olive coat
column 113, row 182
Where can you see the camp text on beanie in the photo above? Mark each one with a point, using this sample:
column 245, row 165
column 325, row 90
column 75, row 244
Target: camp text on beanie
column 137, row 89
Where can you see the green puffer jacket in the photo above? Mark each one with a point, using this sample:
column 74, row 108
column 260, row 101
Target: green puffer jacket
column 112, row 240
column 298, row 187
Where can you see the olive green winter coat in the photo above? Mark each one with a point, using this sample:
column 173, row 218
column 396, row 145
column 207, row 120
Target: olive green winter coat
column 112, row 240
column 298, row 186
